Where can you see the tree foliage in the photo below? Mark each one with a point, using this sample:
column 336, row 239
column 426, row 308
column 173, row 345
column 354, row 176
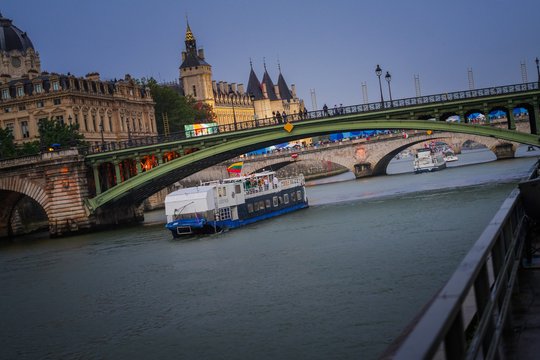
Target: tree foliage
column 7, row 146
column 180, row 110
column 57, row 132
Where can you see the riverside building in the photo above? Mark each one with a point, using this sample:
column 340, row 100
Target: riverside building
column 106, row 110
column 231, row 102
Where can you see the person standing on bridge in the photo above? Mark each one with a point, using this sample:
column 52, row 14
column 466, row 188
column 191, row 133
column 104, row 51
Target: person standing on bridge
column 325, row 110
column 305, row 113
column 284, row 117
column 278, row 116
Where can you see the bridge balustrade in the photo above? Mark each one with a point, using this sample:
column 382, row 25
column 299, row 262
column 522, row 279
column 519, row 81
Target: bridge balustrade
column 451, row 327
column 319, row 114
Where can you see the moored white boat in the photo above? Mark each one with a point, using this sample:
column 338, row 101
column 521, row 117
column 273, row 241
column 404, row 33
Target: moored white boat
column 427, row 160
column 230, row 203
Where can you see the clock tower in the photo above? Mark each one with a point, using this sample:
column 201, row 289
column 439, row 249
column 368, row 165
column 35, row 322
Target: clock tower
column 195, row 72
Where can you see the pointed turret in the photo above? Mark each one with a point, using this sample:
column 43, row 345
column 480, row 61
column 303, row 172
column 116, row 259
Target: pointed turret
column 267, row 82
column 190, row 57
column 284, row 91
column 254, row 86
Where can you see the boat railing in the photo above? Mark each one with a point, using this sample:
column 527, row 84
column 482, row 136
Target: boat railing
column 466, row 319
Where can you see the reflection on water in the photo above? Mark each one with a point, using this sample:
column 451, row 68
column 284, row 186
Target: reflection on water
column 338, row 280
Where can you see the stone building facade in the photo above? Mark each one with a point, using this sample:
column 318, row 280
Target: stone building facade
column 106, row 111
column 231, row 101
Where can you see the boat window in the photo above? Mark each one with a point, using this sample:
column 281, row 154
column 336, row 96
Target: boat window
column 250, row 207
column 261, row 205
column 286, row 198
column 280, row 200
column 275, row 201
column 256, row 206
column 222, row 191
column 225, row 213
column 268, row 204
column 299, row 195
column 237, row 188
column 293, row 197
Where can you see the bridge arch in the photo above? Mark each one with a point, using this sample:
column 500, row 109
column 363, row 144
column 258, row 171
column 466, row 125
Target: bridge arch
column 12, row 191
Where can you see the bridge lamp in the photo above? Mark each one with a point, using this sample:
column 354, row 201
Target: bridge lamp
column 538, row 70
column 388, row 77
column 101, row 131
column 378, row 72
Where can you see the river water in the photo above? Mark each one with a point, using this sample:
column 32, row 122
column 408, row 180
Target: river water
column 338, row 280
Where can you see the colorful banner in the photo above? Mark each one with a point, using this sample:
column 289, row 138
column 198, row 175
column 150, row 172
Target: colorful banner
column 193, row 130
column 236, row 168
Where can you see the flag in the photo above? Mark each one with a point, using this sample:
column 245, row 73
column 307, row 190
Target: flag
column 236, row 167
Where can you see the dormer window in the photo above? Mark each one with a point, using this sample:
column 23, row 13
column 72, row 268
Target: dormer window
column 5, row 94
column 20, row 91
column 38, row 88
column 55, row 86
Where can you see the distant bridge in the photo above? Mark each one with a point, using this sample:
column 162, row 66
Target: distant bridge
column 119, row 180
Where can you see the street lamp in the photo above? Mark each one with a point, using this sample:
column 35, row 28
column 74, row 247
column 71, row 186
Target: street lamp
column 538, row 70
column 233, row 112
column 129, row 132
column 388, row 77
column 378, row 72
column 101, row 131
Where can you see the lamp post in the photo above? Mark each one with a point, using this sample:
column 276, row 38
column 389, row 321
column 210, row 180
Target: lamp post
column 388, row 77
column 233, row 112
column 102, row 139
column 538, row 70
column 129, row 132
column 378, row 72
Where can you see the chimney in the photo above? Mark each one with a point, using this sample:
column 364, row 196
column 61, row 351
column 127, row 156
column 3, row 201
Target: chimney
column 293, row 91
column 276, row 90
column 214, row 86
column 233, row 87
column 241, row 89
column 94, row 76
column 201, row 54
column 265, row 93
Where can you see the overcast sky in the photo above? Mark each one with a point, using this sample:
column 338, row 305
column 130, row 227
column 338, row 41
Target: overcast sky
column 329, row 46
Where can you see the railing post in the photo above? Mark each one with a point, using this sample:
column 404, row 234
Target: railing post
column 454, row 342
column 117, row 172
column 511, row 120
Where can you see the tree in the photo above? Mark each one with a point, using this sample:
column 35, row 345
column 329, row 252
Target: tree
column 180, row 110
column 57, row 132
column 7, row 146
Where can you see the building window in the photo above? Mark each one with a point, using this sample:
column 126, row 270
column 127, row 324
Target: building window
column 56, row 101
column 55, row 86
column 194, row 91
column 60, row 119
column 10, row 127
column 20, row 91
column 24, row 129
column 22, row 107
column 38, row 88
column 5, row 93
column 110, row 124
column 85, row 118
column 94, row 123
column 77, row 119
column 7, row 109
column 39, row 104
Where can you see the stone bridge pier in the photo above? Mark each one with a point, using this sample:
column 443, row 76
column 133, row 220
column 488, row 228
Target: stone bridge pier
column 58, row 183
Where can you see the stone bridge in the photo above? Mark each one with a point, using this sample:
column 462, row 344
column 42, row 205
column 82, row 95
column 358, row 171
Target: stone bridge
column 370, row 157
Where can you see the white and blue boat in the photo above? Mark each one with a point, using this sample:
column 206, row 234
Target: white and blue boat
column 230, row 203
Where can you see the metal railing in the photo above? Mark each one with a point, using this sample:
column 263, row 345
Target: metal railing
column 451, row 327
column 317, row 114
